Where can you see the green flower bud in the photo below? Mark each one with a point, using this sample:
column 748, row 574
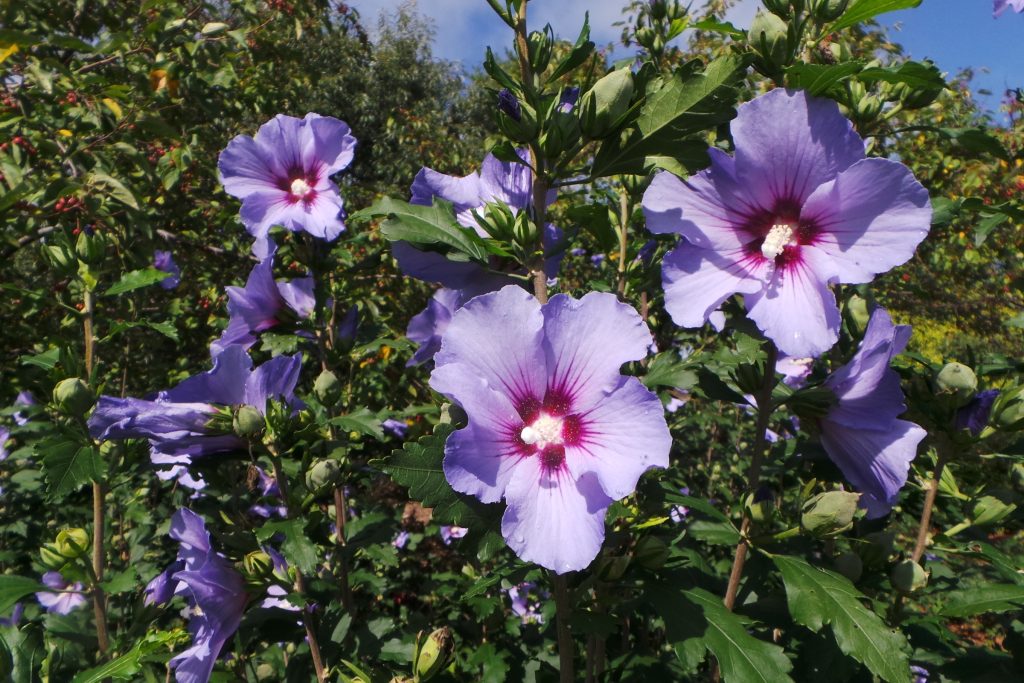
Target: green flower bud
column 749, row 377
column 869, row 107
column 523, row 129
column 830, row 10
column 61, row 258
column 497, row 220
column 778, row 7
column 90, row 247
column 849, row 565
column 769, row 36
column 322, row 476
column 562, row 134
column 604, row 104
column 73, row 396
column 876, row 548
column 651, row 552
column 908, row 577
column 857, row 312
column 327, row 388
column 956, row 378
column 612, row 567
column 539, row 48
column 813, row 403
column 435, row 653
column 829, row 513
column 257, row 566
column 265, row 672
column 761, row 511
column 72, row 543
column 525, row 232
column 248, row 423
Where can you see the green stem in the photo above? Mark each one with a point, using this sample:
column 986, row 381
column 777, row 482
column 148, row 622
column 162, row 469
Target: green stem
column 563, row 613
column 764, row 412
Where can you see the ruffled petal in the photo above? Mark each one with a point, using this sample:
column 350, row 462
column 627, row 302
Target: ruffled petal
column 224, row 384
column 553, row 520
column 245, row 169
column 479, row 459
column 871, row 217
column 497, row 337
column 298, row 294
column 797, row 310
column 708, row 209
column 586, row 342
column 506, row 181
column 697, row 281
column 427, row 327
column 275, row 379
column 876, row 462
column 462, row 192
column 623, row 435
column 333, row 143
column 788, row 143
column 132, row 418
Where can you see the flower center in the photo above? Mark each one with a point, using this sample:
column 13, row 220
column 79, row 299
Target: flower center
column 546, row 430
column 300, row 188
column 779, row 237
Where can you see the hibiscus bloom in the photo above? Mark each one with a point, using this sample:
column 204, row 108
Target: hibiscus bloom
column 428, row 326
column 164, row 260
column 283, row 175
column 1000, row 6
column 796, row 209
column 554, row 428
column 215, row 593
column 191, row 419
column 263, row 303
column 65, row 597
column 861, row 432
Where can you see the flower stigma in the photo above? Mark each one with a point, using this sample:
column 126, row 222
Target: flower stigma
column 546, row 430
column 300, row 188
column 779, row 237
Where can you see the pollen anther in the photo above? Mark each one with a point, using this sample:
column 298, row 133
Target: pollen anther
column 300, row 188
column 544, row 431
column 779, row 237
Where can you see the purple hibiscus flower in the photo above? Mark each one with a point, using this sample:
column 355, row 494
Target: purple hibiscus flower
column 795, row 371
column 263, row 303
column 178, row 421
column 15, row 618
column 497, row 181
column 5, row 435
column 401, row 540
column 974, row 416
column 215, row 593
column 283, row 175
column 861, row 432
column 796, row 209
column 1000, row 6
column 450, row 533
column 554, row 428
column 164, row 260
column 27, row 400
column 396, row 428
column 525, row 600
column 428, row 326
column 65, row 597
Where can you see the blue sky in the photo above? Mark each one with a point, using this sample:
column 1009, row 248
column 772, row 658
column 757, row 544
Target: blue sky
column 952, row 33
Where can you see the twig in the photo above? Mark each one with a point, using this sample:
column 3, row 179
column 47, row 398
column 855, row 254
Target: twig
column 563, row 612
column 764, row 412
column 929, row 504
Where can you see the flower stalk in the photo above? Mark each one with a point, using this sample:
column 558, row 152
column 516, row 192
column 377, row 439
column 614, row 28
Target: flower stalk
column 764, row 412
column 929, row 504
column 563, row 612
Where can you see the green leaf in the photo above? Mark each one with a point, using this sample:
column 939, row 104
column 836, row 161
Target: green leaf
column 297, row 548
column 817, row 597
column 987, row 597
column 417, row 465
column 686, row 104
column 714, row 533
column 667, row 370
column 47, row 360
column 863, row 10
column 68, row 465
column 164, row 328
column 427, row 225
column 363, row 421
column 137, row 279
column 917, row 75
column 579, row 53
column 697, row 622
column 114, row 188
column 14, row 588
column 716, row 26
column 715, row 387
column 155, row 647
column 121, row 582
column 819, row 79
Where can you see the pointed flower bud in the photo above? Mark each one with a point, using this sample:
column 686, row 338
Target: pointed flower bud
column 73, row 396
column 605, row 103
column 323, row 475
column 327, row 388
column 829, row 513
column 769, row 36
column 433, row 656
column 908, row 577
column 248, row 422
column 508, row 103
column 956, row 377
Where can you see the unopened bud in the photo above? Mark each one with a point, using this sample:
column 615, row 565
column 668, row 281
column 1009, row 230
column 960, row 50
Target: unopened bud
column 769, row 36
column 908, row 577
column 761, row 506
column 434, row 654
column 539, row 44
column 73, row 396
column 248, row 422
column 651, row 552
column 829, row 513
column 849, row 565
column 605, row 103
column 61, row 258
column 72, row 543
column 257, row 565
column 830, row 10
column 90, row 247
column 327, row 388
column 956, row 378
column 322, row 476
column 857, row 312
